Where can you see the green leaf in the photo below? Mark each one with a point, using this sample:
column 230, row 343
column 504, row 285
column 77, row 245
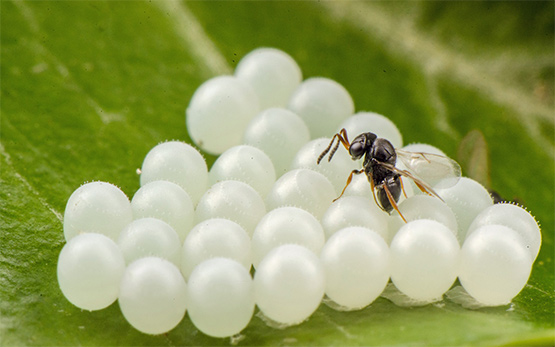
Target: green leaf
column 88, row 87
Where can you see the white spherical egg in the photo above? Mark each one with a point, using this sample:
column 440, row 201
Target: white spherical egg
column 246, row 164
column 467, row 199
column 424, row 259
column 166, row 201
column 177, row 162
column 356, row 263
column 90, row 267
column 272, row 73
column 97, row 207
column 285, row 225
column 303, row 188
column 323, row 104
column 216, row 237
column 234, row 200
column 355, row 211
column 220, row 297
column 280, row 133
column 495, row 265
column 149, row 237
column 289, row 284
column 152, row 295
column 364, row 122
column 514, row 217
column 337, row 170
column 424, row 207
column 219, row 112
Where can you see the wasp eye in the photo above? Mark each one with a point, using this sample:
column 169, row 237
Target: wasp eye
column 356, row 150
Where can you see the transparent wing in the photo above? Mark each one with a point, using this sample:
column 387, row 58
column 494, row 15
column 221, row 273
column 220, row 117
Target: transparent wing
column 425, row 187
column 436, row 170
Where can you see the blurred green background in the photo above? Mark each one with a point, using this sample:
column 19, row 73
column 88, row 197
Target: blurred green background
column 88, row 87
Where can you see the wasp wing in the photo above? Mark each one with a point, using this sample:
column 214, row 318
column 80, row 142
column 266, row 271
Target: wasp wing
column 425, row 187
column 436, row 170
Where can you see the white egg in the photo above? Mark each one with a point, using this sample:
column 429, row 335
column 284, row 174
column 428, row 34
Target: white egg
column 152, row 295
column 467, row 199
column 514, row 217
column 424, row 259
column 272, row 73
column 177, row 162
column 337, row 170
column 234, row 200
column 220, row 297
column 495, row 265
column 303, row 188
column 90, row 267
column 364, row 122
column 355, row 211
column 357, row 266
column 216, row 237
column 219, row 112
column 285, row 225
column 289, row 284
column 247, row 164
column 149, row 237
column 280, row 133
column 97, row 207
column 166, row 201
column 424, row 207
column 323, row 104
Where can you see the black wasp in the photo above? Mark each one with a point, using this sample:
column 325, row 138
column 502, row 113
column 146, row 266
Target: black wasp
column 380, row 158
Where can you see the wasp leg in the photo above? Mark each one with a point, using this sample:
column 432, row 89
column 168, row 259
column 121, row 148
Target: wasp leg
column 372, row 186
column 354, row 172
column 427, row 191
column 342, row 138
column 403, row 188
column 392, row 202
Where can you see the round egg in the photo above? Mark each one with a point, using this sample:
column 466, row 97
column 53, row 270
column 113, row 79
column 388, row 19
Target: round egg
column 97, row 207
column 355, row 211
column 219, row 112
column 90, row 267
column 233, row 200
column 272, row 73
column 285, row 225
column 247, row 164
column 177, row 162
column 152, row 295
column 216, row 237
column 166, row 201
column 303, row 188
column 289, row 284
column 424, row 259
column 220, row 297
column 280, row 133
column 323, row 104
column 357, row 266
column 149, row 237
column 495, row 264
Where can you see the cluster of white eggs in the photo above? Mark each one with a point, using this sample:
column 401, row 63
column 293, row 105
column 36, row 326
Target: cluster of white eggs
column 187, row 240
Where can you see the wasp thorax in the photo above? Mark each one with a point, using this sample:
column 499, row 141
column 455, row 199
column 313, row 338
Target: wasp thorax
column 383, row 151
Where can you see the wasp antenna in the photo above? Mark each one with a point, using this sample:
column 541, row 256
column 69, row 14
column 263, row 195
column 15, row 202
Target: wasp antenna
column 323, row 154
column 334, row 150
